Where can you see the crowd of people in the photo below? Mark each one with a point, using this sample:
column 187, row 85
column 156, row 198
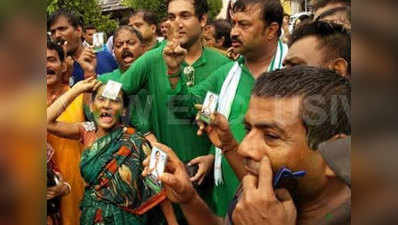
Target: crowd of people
column 284, row 99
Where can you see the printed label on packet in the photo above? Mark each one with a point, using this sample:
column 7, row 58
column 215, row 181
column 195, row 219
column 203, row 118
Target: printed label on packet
column 112, row 89
column 98, row 41
column 209, row 106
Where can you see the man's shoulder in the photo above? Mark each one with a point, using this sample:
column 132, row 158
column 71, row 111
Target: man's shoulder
column 114, row 75
column 226, row 67
column 154, row 53
column 215, row 56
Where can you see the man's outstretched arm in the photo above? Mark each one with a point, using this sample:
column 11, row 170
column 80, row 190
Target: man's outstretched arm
column 180, row 190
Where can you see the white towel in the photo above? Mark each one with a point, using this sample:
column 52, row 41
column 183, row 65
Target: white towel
column 227, row 95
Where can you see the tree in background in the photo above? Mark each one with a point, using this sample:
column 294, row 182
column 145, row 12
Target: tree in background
column 88, row 9
column 159, row 7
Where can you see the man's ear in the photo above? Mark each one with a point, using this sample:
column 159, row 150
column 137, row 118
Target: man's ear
column 340, row 66
column 329, row 172
column 153, row 28
column 79, row 30
column 64, row 67
column 271, row 31
column 203, row 21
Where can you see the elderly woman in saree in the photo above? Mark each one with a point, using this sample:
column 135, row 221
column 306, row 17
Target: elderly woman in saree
column 111, row 164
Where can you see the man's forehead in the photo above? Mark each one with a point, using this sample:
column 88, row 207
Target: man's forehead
column 178, row 6
column 60, row 21
column 51, row 52
column 252, row 11
column 306, row 48
column 137, row 17
column 274, row 110
column 125, row 35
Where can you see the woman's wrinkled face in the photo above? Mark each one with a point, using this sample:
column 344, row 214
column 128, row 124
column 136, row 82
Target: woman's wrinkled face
column 106, row 111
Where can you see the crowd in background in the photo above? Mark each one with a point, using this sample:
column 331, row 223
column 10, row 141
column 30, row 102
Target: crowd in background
column 284, row 103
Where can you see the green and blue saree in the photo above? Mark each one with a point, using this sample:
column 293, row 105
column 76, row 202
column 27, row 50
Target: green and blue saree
column 116, row 193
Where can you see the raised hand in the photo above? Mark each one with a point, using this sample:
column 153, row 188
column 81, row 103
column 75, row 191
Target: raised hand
column 231, row 54
column 58, row 190
column 88, row 85
column 204, row 164
column 218, row 131
column 88, row 61
column 175, row 179
column 174, row 55
column 260, row 204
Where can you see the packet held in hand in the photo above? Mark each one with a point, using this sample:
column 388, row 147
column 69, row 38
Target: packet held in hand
column 157, row 164
column 98, row 41
column 112, row 89
column 209, row 106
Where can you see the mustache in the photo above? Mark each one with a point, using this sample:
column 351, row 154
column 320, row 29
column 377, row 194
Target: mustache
column 127, row 53
column 50, row 72
column 235, row 38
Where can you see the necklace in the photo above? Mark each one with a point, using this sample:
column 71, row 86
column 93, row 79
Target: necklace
column 189, row 73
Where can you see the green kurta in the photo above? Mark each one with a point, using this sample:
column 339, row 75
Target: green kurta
column 222, row 195
column 150, row 72
column 139, row 107
column 140, row 104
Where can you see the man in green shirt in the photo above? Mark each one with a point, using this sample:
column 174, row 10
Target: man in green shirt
column 128, row 47
column 187, row 19
column 146, row 23
column 255, row 36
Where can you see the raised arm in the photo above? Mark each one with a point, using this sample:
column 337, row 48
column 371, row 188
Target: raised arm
column 180, row 190
column 68, row 130
column 136, row 76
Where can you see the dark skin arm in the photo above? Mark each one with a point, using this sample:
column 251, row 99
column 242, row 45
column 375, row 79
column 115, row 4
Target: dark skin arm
column 68, row 130
column 179, row 190
column 221, row 136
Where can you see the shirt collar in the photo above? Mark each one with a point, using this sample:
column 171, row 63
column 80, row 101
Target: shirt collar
column 199, row 62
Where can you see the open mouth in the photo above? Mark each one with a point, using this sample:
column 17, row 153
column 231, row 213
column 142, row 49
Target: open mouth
column 235, row 44
column 61, row 42
column 128, row 57
column 106, row 117
column 50, row 72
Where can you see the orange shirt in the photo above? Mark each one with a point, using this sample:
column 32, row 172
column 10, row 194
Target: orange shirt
column 67, row 159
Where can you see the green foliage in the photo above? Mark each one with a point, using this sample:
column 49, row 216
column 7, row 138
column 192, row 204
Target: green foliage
column 88, row 9
column 214, row 8
column 159, row 7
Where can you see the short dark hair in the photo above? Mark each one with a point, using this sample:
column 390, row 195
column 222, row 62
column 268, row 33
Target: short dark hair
column 222, row 30
column 346, row 9
column 148, row 16
column 90, row 27
column 124, row 21
column 331, row 92
column 316, row 4
column 74, row 19
column 272, row 10
column 128, row 28
column 54, row 46
column 334, row 37
column 201, row 7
